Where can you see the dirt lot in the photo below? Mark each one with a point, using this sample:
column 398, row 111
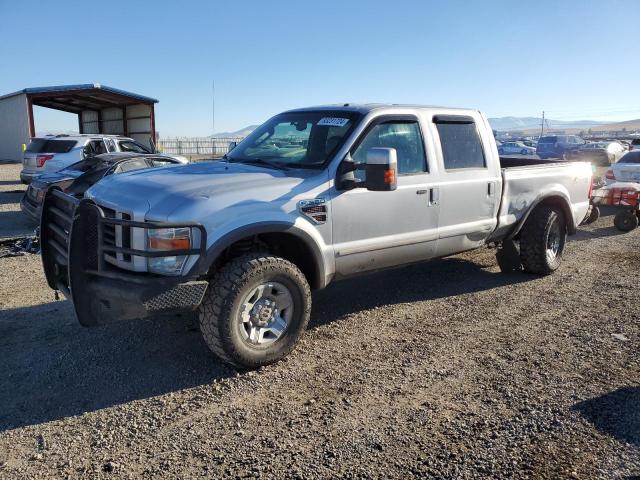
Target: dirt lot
column 448, row 369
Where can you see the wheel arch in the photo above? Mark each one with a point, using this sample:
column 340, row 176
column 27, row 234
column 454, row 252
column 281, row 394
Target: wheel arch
column 556, row 199
column 281, row 238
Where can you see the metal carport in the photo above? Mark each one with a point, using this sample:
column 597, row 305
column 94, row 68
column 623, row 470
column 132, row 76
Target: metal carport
column 100, row 109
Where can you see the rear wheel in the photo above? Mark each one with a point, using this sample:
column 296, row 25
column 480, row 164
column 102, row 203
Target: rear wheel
column 592, row 216
column 626, row 220
column 542, row 241
column 255, row 310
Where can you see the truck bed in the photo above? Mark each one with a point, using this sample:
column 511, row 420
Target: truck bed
column 526, row 161
column 526, row 180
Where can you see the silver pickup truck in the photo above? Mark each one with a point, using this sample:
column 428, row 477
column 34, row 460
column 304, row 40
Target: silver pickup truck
column 311, row 196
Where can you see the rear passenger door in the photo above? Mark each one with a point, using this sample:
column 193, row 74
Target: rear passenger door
column 469, row 186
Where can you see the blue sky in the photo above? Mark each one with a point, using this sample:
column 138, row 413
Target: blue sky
column 574, row 59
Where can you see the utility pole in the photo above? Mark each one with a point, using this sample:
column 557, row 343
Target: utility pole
column 542, row 125
column 213, row 107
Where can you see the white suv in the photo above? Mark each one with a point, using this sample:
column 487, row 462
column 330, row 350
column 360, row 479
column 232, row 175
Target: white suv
column 55, row 152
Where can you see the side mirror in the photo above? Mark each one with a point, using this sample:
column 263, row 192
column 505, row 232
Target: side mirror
column 232, row 145
column 381, row 169
column 85, row 152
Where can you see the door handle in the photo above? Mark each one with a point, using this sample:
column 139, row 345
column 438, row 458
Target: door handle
column 491, row 187
column 434, row 196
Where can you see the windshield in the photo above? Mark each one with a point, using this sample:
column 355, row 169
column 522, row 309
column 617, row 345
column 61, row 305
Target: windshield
column 299, row 140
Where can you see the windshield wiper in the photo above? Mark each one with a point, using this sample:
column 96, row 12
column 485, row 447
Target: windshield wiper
column 260, row 161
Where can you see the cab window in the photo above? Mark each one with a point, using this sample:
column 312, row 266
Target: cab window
column 404, row 136
column 461, row 145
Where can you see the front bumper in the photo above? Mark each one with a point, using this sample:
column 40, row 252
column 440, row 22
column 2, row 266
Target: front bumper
column 73, row 256
column 30, row 208
column 125, row 298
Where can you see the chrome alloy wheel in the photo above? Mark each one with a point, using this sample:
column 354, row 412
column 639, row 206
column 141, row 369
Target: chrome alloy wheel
column 554, row 240
column 265, row 313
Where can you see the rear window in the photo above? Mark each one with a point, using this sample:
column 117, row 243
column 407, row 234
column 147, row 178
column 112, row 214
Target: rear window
column 631, row 157
column 44, row 145
column 635, row 141
column 548, row 140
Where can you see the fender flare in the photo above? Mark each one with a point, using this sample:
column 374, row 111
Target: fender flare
column 562, row 201
column 203, row 265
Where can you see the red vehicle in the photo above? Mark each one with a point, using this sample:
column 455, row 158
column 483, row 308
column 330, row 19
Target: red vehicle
column 623, row 195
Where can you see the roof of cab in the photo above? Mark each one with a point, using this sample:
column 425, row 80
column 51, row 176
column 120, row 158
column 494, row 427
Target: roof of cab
column 365, row 108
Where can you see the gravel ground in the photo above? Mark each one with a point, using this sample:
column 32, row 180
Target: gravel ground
column 448, row 369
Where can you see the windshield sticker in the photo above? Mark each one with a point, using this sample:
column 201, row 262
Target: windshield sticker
column 333, row 122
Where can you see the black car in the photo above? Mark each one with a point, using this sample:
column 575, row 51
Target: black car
column 79, row 177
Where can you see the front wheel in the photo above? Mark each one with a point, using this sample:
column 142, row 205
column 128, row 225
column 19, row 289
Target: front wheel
column 542, row 241
column 255, row 310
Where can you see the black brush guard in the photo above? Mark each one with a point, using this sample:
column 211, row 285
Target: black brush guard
column 72, row 235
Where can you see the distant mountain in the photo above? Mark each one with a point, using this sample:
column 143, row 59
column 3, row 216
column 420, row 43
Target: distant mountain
column 505, row 124
column 243, row 132
column 630, row 125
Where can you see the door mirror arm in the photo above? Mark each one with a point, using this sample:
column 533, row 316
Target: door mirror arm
column 346, row 178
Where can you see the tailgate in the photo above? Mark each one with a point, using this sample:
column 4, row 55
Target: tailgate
column 29, row 160
column 628, row 174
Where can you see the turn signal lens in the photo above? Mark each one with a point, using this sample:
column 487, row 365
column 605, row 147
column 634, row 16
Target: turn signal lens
column 169, row 243
column 170, row 239
column 390, row 176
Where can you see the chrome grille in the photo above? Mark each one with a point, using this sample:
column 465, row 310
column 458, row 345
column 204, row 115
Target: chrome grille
column 115, row 235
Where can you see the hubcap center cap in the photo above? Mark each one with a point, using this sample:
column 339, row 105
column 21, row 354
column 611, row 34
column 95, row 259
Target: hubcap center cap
column 263, row 312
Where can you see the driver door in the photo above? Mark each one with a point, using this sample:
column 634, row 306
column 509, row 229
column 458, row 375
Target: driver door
column 373, row 230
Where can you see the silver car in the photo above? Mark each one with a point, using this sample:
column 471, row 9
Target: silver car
column 53, row 153
column 517, row 148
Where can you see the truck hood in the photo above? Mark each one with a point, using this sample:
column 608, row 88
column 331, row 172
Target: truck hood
column 157, row 193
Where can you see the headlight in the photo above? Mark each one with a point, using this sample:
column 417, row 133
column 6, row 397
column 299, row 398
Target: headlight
column 166, row 239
